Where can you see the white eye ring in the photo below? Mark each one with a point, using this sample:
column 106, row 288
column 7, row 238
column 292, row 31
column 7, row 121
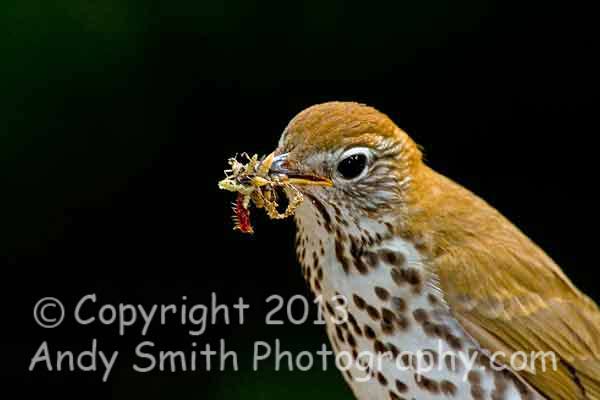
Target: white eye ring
column 361, row 151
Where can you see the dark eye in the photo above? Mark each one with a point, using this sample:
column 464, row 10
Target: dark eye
column 352, row 166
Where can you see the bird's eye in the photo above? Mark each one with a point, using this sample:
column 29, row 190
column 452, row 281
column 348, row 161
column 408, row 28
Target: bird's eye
column 353, row 164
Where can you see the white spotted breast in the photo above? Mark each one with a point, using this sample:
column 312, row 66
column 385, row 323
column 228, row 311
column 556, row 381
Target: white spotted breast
column 389, row 310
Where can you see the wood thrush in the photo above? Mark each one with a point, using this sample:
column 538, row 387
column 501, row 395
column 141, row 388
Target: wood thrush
column 421, row 265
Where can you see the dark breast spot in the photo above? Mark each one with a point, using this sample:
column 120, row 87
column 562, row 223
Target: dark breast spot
column 393, row 258
column 349, row 376
column 427, row 384
column 432, row 299
column 401, row 386
column 452, row 362
column 351, row 340
column 407, row 360
column 397, row 277
column 474, row 377
column 379, row 347
column 307, row 273
column 341, row 257
column 382, row 293
column 387, row 327
column 381, row 379
column 316, row 285
column 359, row 302
column 301, row 252
column 395, row 351
column 390, row 228
column 371, row 259
column 420, row 315
column 448, row 388
column 369, row 332
column 399, row 304
column 402, row 322
column 412, row 276
column 330, row 309
column 388, row 314
column 356, row 253
column 454, row 342
column 361, row 267
column 354, row 324
column 433, row 329
column 373, row 313
column 336, row 209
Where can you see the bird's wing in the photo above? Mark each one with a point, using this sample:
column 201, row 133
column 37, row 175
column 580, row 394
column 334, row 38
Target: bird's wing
column 510, row 296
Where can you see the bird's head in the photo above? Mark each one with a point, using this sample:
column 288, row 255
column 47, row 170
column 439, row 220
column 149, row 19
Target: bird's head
column 350, row 155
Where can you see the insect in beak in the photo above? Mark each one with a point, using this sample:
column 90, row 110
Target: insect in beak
column 281, row 165
column 255, row 184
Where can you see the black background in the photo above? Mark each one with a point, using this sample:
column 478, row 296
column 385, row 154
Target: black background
column 118, row 117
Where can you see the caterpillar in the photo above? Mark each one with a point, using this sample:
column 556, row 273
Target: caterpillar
column 241, row 216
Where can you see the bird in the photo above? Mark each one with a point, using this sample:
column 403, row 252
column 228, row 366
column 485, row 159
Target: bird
column 407, row 262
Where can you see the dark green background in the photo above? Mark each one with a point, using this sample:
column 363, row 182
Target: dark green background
column 117, row 118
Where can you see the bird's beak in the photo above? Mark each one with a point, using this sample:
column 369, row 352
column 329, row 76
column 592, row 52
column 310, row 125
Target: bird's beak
column 281, row 165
